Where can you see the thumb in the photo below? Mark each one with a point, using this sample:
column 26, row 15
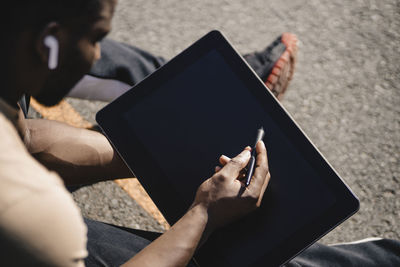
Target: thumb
column 235, row 165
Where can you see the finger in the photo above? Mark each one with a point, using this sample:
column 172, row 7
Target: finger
column 260, row 177
column 224, row 160
column 217, row 168
column 264, row 187
column 235, row 165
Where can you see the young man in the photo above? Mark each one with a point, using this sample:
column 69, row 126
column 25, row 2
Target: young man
column 50, row 45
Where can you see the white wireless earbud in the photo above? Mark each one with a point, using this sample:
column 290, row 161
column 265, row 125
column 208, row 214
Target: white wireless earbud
column 52, row 43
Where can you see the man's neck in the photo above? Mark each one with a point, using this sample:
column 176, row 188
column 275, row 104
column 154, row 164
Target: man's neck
column 9, row 111
column 10, row 101
column 12, row 111
column 10, row 93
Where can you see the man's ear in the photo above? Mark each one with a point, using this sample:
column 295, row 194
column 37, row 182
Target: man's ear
column 47, row 45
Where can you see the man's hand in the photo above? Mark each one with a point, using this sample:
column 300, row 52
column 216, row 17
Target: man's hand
column 225, row 196
column 219, row 200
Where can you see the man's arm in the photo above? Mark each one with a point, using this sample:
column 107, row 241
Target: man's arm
column 219, row 200
column 79, row 156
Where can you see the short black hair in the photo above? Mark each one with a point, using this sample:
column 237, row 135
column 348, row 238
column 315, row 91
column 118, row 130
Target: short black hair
column 20, row 15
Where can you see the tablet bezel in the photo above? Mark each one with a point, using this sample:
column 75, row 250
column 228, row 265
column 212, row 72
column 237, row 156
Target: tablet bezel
column 142, row 164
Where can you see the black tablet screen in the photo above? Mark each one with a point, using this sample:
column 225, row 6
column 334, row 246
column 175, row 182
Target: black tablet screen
column 186, row 135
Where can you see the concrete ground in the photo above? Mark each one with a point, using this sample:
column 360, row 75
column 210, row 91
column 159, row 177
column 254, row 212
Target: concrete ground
column 345, row 94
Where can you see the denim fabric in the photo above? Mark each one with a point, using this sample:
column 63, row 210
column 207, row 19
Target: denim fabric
column 125, row 63
column 382, row 252
column 110, row 245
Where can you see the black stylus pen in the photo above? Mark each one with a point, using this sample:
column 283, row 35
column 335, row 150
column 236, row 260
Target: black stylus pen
column 252, row 162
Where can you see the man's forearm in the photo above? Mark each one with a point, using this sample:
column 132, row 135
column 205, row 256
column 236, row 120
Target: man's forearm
column 80, row 156
column 176, row 246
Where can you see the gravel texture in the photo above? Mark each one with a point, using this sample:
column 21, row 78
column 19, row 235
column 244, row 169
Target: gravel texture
column 107, row 202
column 345, row 94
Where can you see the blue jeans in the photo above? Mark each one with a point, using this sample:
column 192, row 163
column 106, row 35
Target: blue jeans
column 110, row 245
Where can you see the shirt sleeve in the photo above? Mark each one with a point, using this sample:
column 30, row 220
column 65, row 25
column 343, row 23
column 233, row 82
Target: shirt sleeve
column 49, row 228
column 39, row 220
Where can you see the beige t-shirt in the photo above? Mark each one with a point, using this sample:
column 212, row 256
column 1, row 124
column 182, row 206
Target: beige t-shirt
column 39, row 221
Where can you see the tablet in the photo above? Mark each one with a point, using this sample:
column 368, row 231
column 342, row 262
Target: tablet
column 172, row 127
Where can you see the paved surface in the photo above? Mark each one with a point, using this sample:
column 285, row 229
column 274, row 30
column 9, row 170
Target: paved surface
column 345, row 93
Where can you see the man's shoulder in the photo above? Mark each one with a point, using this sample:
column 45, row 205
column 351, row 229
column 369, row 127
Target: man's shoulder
column 36, row 211
column 22, row 176
column 8, row 133
column 17, row 167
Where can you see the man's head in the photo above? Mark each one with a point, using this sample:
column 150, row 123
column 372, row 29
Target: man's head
column 70, row 30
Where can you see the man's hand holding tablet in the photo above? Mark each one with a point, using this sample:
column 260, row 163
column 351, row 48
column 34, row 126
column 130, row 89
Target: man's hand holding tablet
column 225, row 196
column 219, row 200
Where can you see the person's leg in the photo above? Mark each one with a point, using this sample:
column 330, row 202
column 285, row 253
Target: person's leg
column 275, row 64
column 369, row 252
column 122, row 66
column 123, row 62
column 110, row 245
